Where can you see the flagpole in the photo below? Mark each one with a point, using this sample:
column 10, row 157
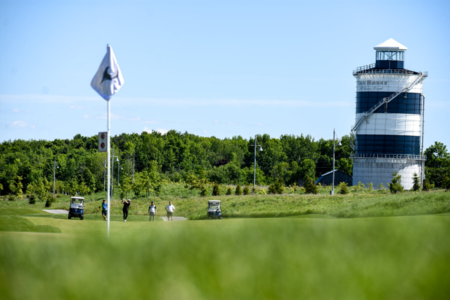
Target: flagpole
column 109, row 168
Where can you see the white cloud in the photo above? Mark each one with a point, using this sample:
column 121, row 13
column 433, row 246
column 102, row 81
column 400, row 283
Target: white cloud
column 205, row 131
column 15, row 110
column 20, row 125
column 216, row 121
column 260, row 124
column 160, row 130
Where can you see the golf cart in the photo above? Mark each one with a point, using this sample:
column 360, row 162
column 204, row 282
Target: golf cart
column 76, row 207
column 214, row 209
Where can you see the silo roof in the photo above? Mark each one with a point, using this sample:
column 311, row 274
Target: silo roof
column 390, row 45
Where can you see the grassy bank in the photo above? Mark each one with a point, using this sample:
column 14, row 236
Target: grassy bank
column 358, row 204
column 278, row 258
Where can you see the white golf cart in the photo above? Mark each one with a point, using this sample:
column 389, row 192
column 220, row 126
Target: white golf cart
column 76, row 207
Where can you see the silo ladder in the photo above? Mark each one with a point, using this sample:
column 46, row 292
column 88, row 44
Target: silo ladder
column 385, row 101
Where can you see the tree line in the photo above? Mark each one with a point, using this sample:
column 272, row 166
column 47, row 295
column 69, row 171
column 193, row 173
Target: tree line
column 142, row 161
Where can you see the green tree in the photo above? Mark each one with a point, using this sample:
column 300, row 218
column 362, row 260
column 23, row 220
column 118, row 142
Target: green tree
column 216, row 190
column 238, row 190
column 416, row 186
column 246, row 190
column 127, row 185
column 228, row 191
column 446, row 184
column 308, row 169
column 343, row 189
column 138, row 185
column 396, row 186
column 277, row 187
column 83, row 189
column 39, row 189
column 310, row 186
column 199, row 182
column 426, row 185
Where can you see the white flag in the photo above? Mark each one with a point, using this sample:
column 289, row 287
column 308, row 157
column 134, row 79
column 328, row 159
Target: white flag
column 108, row 80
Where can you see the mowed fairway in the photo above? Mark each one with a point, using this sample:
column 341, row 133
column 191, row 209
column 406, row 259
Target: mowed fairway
column 307, row 257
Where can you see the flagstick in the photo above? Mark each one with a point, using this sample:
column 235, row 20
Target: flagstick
column 109, row 168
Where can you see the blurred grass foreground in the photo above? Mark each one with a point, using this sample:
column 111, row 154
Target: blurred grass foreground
column 304, row 257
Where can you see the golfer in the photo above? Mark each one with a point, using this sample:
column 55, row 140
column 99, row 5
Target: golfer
column 170, row 209
column 126, row 206
column 105, row 210
column 152, row 211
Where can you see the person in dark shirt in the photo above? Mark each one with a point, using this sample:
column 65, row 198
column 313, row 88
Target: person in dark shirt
column 126, row 206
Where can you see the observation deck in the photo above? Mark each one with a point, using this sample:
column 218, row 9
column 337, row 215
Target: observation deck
column 371, row 69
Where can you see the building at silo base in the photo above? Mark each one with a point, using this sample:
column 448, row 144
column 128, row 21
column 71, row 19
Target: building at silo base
column 380, row 170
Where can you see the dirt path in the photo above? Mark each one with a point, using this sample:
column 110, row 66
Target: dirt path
column 175, row 218
column 56, row 211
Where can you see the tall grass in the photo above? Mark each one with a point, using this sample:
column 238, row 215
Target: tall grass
column 285, row 258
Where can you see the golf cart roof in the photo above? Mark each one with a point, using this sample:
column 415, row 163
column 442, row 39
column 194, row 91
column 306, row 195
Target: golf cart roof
column 77, row 198
column 214, row 201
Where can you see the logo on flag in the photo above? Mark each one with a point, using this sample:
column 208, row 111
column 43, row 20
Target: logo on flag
column 108, row 80
column 102, row 141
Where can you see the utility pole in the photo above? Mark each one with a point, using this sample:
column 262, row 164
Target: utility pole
column 254, row 167
column 54, row 177
column 133, row 165
column 112, row 172
column 254, row 163
column 332, row 191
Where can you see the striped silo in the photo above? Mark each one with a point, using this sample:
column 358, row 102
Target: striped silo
column 389, row 119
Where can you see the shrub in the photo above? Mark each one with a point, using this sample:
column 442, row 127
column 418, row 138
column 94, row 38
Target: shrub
column 426, row 185
column 416, row 186
column 446, row 183
column 246, row 190
column 370, row 187
column 262, row 192
column 310, row 187
column 277, row 187
column 228, row 191
column 48, row 203
column 216, row 190
column 204, row 192
column 396, row 185
column 238, row 190
column 11, row 197
column 32, row 199
column 343, row 189
column 58, row 196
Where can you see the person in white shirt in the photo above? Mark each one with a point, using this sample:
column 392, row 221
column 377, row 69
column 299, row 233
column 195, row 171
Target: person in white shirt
column 152, row 211
column 170, row 209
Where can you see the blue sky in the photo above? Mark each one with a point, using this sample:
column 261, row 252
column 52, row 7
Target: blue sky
column 212, row 68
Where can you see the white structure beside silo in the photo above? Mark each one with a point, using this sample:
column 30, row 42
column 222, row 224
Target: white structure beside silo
column 389, row 119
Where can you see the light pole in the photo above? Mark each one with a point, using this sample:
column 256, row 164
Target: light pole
column 104, row 178
column 339, row 144
column 112, row 171
column 118, row 172
column 254, row 164
column 54, row 176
